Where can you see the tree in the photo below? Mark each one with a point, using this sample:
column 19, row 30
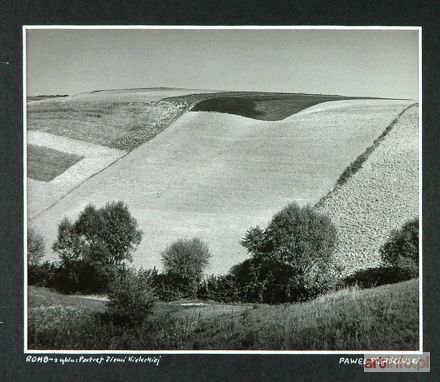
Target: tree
column 97, row 243
column 185, row 261
column 402, row 248
column 35, row 247
column 107, row 235
column 291, row 256
column 298, row 237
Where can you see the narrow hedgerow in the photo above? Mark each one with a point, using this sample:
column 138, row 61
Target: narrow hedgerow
column 356, row 165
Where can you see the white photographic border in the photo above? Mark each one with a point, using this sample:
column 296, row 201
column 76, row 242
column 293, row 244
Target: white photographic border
column 194, row 27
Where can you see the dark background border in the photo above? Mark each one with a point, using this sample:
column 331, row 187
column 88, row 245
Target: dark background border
column 14, row 14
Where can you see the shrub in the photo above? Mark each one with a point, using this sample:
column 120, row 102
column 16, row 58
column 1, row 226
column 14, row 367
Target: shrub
column 290, row 258
column 95, row 245
column 298, row 237
column 131, row 295
column 43, row 275
column 220, row 288
column 373, row 277
column 83, row 276
column 184, row 261
column 402, row 248
column 35, row 247
column 172, row 287
column 259, row 280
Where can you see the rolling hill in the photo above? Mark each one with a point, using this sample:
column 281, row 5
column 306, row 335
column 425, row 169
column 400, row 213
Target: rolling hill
column 214, row 175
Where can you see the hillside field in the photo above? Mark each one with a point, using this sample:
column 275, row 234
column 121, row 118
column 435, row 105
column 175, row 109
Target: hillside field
column 379, row 198
column 102, row 125
column 215, row 175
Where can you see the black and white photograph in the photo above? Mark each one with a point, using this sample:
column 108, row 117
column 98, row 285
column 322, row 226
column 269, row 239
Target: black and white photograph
column 222, row 189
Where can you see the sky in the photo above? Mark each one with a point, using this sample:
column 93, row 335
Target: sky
column 377, row 63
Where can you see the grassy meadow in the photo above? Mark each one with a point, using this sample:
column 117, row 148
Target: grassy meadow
column 382, row 318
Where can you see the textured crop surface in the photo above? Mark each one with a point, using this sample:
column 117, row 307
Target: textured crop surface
column 119, row 119
column 45, row 164
column 214, row 175
column 378, row 198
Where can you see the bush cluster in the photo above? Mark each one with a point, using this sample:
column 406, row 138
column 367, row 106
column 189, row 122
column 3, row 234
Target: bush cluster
column 184, row 262
column 290, row 261
column 400, row 258
column 402, row 248
column 92, row 248
column 35, row 247
column 290, row 258
column 373, row 277
column 131, row 295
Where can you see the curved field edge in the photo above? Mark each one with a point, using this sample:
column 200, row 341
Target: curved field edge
column 264, row 106
column 382, row 318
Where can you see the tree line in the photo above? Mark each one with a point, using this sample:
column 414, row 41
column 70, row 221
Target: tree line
column 290, row 260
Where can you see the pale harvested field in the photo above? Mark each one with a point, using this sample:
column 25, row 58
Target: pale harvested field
column 380, row 197
column 214, row 175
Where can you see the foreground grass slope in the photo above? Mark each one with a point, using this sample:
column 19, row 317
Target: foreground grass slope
column 215, row 175
column 379, row 197
column 383, row 318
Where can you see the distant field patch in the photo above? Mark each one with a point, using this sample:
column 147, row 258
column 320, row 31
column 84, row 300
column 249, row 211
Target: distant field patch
column 118, row 119
column 45, row 164
column 43, row 190
column 273, row 107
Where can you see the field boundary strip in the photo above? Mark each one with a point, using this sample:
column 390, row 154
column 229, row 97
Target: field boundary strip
column 357, row 164
column 69, row 145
